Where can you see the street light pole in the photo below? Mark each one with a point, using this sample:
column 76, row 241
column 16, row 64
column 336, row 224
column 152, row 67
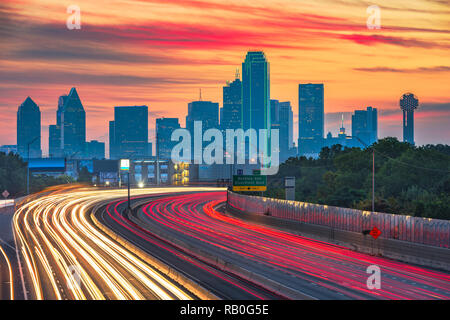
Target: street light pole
column 129, row 197
column 28, row 164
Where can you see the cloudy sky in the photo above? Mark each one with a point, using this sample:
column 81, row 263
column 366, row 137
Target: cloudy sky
column 160, row 52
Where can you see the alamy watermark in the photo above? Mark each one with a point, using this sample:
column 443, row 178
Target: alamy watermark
column 374, row 280
column 74, row 20
column 263, row 147
column 74, row 281
column 374, row 19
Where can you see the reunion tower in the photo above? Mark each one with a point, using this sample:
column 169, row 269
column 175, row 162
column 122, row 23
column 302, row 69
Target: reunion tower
column 408, row 103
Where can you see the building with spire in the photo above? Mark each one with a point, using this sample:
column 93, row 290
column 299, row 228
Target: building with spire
column 342, row 138
column 29, row 130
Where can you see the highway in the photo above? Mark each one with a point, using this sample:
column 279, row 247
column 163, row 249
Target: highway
column 69, row 248
column 317, row 269
column 64, row 256
column 222, row 284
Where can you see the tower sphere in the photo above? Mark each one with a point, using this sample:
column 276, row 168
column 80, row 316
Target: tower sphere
column 409, row 102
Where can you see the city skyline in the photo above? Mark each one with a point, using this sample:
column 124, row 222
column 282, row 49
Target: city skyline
column 166, row 67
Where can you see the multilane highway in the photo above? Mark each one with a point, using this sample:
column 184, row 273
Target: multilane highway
column 66, row 253
column 318, row 270
column 64, row 256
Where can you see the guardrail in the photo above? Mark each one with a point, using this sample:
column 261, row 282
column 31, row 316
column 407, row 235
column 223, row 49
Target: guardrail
column 432, row 232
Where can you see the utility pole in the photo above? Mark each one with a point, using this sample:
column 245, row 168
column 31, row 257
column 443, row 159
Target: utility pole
column 373, row 171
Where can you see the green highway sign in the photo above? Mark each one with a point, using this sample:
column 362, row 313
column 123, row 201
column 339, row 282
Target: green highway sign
column 250, row 183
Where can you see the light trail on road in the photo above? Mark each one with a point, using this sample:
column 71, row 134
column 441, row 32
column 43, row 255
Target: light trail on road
column 6, row 287
column 67, row 257
column 322, row 269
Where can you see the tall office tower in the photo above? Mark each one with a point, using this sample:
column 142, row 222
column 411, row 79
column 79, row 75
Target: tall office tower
column 95, row 150
column 205, row 111
column 310, row 118
column 256, row 97
column 54, row 132
column 54, row 141
column 112, row 145
column 72, row 119
column 130, row 132
column 365, row 126
column 164, row 128
column 408, row 103
column 231, row 113
column 208, row 113
column 274, row 111
column 29, row 129
column 286, row 121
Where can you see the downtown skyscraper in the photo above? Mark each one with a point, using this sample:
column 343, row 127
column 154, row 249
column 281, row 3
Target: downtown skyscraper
column 310, row 118
column 205, row 111
column 29, row 130
column 70, row 128
column 255, row 91
column 283, row 120
column 256, row 95
column 164, row 144
column 231, row 113
column 365, row 126
column 128, row 133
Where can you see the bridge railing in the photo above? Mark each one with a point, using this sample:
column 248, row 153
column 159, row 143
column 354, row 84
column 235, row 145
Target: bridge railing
column 433, row 232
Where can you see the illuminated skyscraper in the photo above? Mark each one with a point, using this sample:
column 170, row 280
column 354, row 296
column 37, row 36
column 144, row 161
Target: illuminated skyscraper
column 408, row 103
column 29, row 129
column 256, row 96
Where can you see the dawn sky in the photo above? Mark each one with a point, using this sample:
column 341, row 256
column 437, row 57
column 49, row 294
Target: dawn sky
column 159, row 53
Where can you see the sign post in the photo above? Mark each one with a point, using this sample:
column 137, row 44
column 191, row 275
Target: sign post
column 5, row 195
column 289, row 186
column 125, row 166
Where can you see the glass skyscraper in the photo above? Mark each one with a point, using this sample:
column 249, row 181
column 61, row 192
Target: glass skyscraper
column 29, row 129
column 256, row 98
column 205, row 111
column 231, row 116
column 54, row 132
column 164, row 128
column 72, row 120
column 310, row 118
column 255, row 92
column 365, row 126
column 129, row 132
column 286, row 120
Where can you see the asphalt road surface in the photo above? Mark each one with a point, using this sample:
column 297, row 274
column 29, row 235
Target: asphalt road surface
column 314, row 268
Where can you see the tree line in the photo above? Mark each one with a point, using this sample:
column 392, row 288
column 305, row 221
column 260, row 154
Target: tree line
column 13, row 177
column 408, row 180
